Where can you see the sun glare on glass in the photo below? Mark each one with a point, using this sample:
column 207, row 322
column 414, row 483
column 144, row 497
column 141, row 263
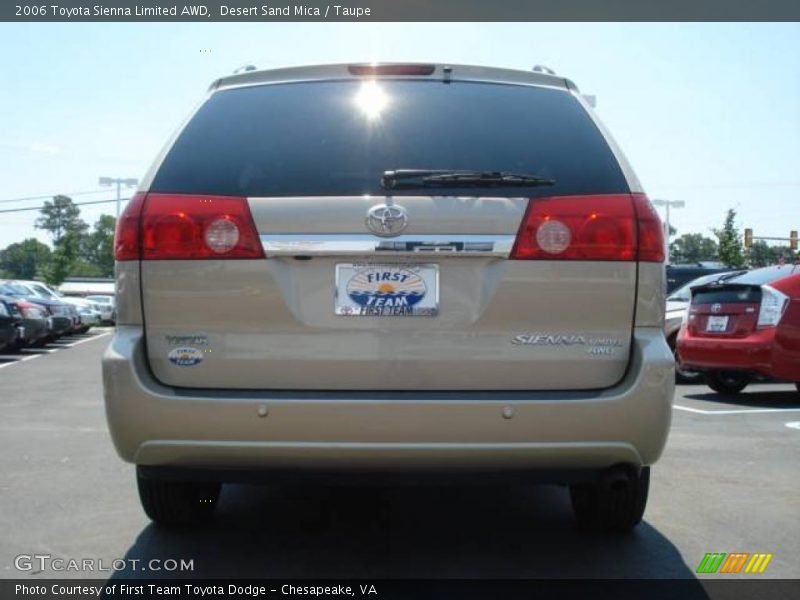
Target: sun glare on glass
column 371, row 99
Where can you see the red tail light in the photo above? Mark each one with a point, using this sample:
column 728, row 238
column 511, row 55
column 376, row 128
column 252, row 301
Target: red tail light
column 614, row 227
column 127, row 242
column 651, row 231
column 177, row 226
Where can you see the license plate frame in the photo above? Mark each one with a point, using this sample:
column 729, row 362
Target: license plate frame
column 717, row 324
column 394, row 290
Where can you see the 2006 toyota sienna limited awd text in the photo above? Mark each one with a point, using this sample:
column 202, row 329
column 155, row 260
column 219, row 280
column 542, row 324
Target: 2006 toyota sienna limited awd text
column 390, row 269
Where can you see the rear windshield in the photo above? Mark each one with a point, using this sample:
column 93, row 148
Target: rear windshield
column 337, row 138
column 728, row 296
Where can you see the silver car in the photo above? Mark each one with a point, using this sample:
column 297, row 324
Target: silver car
column 383, row 269
column 106, row 305
column 88, row 311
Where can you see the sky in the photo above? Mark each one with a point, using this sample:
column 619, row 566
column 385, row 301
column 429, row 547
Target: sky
column 706, row 113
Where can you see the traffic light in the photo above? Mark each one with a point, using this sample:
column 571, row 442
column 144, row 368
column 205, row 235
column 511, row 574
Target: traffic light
column 748, row 238
column 793, row 240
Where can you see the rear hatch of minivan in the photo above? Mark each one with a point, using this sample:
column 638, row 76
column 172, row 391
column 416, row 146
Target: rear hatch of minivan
column 272, row 257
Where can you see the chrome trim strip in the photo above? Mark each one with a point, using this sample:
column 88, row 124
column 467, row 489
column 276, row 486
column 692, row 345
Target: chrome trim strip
column 298, row 244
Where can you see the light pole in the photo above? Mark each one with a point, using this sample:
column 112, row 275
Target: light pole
column 119, row 182
column 667, row 204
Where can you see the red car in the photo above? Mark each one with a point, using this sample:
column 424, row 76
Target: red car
column 743, row 326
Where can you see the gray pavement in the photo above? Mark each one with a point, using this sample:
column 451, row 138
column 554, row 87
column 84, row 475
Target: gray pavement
column 729, row 481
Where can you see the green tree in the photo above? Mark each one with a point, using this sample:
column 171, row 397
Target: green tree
column 692, row 248
column 760, row 254
column 730, row 242
column 789, row 255
column 62, row 219
column 25, row 259
column 97, row 251
column 66, row 253
column 59, row 217
column 83, row 268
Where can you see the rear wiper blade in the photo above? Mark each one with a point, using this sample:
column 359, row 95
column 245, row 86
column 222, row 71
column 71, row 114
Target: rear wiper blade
column 420, row 178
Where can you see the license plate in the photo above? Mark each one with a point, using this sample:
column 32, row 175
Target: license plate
column 397, row 290
column 717, row 323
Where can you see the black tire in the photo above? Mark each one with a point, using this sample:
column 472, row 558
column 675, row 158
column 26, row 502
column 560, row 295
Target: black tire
column 177, row 503
column 613, row 505
column 727, row 382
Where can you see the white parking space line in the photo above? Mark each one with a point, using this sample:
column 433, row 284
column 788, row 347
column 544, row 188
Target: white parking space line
column 734, row 412
column 89, row 339
column 793, row 424
column 15, row 359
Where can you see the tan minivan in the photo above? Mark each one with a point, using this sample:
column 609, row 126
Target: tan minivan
column 392, row 269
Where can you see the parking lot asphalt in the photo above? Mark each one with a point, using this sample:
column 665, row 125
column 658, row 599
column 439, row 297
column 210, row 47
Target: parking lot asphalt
column 729, row 481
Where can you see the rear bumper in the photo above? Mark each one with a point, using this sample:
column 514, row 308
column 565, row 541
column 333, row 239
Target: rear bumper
column 61, row 324
column 752, row 353
column 155, row 425
column 35, row 330
column 90, row 319
column 8, row 335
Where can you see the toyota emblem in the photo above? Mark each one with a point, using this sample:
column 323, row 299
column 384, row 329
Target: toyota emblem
column 716, row 307
column 387, row 220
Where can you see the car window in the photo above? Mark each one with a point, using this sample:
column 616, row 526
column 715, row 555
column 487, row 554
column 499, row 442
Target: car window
column 319, row 138
column 766, row 275
column 683, row 293
column 42, row 290
column 30, row 291
column 3, row 310
column 15, row 289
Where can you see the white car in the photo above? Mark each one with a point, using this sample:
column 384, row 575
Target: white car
column 107, row 306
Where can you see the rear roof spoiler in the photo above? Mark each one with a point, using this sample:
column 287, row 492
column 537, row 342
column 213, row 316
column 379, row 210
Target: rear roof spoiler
column 442, row 71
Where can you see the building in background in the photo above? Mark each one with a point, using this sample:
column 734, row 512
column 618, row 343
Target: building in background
column 86, row 286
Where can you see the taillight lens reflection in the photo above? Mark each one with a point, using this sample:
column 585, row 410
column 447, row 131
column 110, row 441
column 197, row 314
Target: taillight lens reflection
column 773, row 305
column 127, row 240
column 614, row 227
column 177, row 226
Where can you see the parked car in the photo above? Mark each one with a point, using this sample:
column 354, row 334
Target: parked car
column 446, row 269
column 106, row 305
column 33, row 322
column 37, row 326
column 677, row 302
column 61, row 316
column 87, row 311
column 680, row 275
column 746, row 325
column 9, row 328
column 41, row 290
